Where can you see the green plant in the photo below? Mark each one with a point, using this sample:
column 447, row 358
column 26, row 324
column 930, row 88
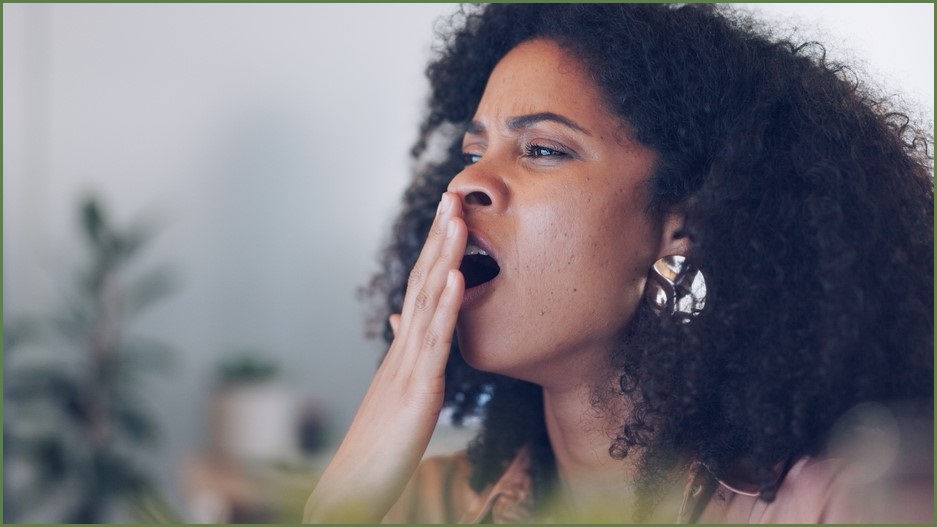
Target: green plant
column 73, row 415
column 246, row 367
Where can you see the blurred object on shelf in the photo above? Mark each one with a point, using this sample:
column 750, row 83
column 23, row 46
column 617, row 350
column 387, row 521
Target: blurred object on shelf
column 225, row 491
column 253, row 414
column 260, row 461
column 312, row 429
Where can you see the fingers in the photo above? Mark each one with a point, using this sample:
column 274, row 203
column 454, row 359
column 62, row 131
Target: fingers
column 442, row 251
column 441, row 327
column 394, row 321
column 435, row 309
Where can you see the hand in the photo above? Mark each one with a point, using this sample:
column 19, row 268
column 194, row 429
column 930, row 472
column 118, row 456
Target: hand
column 390, row 432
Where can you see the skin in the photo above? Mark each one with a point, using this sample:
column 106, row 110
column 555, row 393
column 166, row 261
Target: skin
column 555, row 189
column 562, row 204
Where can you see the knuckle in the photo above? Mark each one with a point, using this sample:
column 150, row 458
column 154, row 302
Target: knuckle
column 422, row 300
column 446, row 254
column 431, row 340
column 416, row 277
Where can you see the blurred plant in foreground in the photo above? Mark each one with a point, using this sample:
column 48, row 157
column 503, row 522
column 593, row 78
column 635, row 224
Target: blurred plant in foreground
column 74, row 422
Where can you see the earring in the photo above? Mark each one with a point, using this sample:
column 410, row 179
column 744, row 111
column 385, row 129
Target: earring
column 675, row 288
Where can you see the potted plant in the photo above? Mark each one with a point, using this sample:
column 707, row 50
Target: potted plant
column 74, row 420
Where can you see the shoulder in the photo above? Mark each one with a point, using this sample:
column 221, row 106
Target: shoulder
column 878, row 469
column 832, row 490
column 841, row 490
column 438, row 492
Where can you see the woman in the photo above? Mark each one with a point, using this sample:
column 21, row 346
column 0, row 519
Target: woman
column 683, row 263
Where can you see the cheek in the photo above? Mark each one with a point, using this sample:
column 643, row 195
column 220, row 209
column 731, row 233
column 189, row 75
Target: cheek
column 573, row 256
column 612, row 261
column 594, row 244
column 552, row 241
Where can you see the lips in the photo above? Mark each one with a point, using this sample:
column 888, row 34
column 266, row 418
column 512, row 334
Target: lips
column 479, row 266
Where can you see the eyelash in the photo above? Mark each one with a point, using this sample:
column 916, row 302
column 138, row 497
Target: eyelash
column 530, row 150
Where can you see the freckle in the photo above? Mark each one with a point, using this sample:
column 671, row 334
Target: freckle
column 574, row 290
column 542, row 312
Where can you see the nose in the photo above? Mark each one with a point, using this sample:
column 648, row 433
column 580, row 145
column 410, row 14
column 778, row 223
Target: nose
column 480, row 188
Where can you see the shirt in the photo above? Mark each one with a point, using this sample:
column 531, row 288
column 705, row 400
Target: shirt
column 814, row 490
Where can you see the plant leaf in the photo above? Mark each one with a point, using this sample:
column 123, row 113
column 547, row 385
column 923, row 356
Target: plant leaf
column 22, row 330
column 133, row 239
column 143, row 354
column 138, row 427
column 151, row 507
column 149, row 288
column 93, row 221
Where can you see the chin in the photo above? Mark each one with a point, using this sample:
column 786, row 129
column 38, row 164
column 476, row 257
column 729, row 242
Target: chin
column 480, row 355
column 495, row 357
column 468, row 349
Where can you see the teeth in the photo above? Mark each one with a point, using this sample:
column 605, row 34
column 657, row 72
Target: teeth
column 472, row 249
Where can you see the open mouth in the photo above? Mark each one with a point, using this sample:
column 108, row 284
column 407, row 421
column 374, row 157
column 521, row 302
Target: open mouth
column 477, row 266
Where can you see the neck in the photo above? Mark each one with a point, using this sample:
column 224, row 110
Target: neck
column 591, row 482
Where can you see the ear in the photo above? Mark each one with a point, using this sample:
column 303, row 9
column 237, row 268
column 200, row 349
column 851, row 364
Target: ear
column 673, row 240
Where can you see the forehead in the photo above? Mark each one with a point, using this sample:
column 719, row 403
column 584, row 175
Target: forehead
column 541, row 76
column 539, row 57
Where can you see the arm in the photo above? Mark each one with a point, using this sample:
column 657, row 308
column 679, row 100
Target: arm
column 392, row 428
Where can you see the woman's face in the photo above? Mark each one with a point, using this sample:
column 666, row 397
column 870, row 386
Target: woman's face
column 555, row 191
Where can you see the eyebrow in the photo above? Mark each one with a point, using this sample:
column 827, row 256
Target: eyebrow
column 526, row 121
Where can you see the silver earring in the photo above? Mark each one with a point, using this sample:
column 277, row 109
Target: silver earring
column 675, row 288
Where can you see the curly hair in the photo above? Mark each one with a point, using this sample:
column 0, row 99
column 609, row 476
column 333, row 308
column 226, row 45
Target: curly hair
column 809, row 203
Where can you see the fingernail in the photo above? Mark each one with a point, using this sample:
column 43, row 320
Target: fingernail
column 450, row 230
column 444, row 203
column 450, row 278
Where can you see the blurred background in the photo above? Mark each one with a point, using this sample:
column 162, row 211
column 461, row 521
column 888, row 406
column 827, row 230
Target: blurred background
column 192, row 197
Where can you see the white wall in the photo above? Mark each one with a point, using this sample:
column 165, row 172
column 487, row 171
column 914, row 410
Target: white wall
column 272, row 142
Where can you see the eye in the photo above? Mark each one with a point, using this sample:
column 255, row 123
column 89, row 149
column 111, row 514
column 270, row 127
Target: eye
column 535, row 150
column 470, row 159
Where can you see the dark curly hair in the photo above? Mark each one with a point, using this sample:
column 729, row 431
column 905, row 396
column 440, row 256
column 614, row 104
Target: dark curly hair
column 809, row 204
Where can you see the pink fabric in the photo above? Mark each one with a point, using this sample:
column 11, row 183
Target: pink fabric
column 814, row 490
